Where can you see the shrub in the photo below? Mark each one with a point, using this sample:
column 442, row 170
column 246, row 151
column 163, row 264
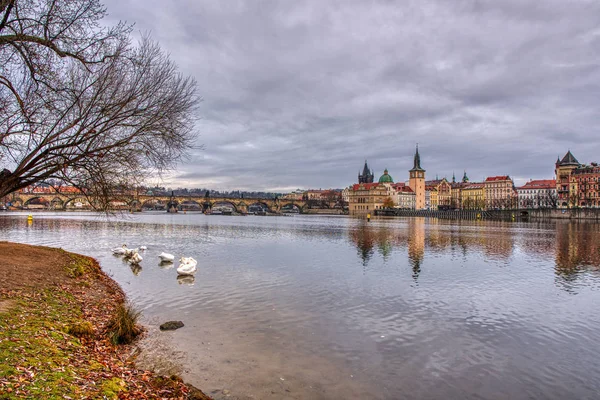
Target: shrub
column 123, row 328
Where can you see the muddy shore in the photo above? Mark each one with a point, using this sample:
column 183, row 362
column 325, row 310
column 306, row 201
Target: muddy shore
column 55, row 312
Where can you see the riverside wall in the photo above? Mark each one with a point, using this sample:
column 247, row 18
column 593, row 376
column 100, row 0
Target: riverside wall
column 503, row 215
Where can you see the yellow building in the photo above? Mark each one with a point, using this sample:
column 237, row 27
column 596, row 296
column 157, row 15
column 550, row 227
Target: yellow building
column 365, row 198
column 433, row 197
column 441, row 194
column 473, row 197
column 417, row 181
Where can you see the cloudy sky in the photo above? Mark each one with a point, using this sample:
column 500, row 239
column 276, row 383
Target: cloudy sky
column 300, row 93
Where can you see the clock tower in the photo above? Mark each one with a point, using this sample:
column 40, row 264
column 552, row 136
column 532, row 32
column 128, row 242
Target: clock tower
column 417, row 181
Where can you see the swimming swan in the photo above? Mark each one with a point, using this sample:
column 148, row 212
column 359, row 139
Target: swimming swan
column 187, row 266
column 120, row 251
column 135, row 258
column 166, row 257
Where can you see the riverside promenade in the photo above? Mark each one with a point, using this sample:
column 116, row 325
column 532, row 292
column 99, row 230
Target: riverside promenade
column 502, row 215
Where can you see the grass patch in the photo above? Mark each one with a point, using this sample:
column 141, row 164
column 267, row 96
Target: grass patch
column 123, row 327
column 81, row 329
column 35, row 355
column 79, row 265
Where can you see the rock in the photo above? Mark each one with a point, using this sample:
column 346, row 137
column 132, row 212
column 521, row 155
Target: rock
column 195, row 393
column 171, row 325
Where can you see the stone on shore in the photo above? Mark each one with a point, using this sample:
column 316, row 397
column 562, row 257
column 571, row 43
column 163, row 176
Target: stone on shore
column 171, row 325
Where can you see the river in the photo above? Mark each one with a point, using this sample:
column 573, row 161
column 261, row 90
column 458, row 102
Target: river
column 315, row 307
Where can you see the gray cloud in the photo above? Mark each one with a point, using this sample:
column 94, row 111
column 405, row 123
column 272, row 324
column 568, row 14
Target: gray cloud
column 298, row 94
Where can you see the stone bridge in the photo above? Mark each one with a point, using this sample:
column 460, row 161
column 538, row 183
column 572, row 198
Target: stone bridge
column 62, row 201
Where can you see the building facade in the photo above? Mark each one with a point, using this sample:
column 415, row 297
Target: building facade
column 441, row 194
column 500, row 192
column 577, row 184
column 473, row 196
column 405, row 197
column 585, row 181
column 538, row 194
column 566, row 189
column 365, row 198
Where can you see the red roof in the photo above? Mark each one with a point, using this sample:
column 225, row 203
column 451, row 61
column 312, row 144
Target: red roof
column 404, row 189
column 398, row 185
column 497, row 178
column 540, row 184
column 367, row 186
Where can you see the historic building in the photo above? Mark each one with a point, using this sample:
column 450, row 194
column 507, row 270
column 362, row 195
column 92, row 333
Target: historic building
column 565, row 189
column 405, row 197
column 585, row 180
column 456, row 191
column 576, row 184
column 500, row 192
column 366, row 176
column 538, row 194
column 417, row 181
column 386, row 177
column 441, row 194
column 431, row 195
column 473, row 196
column 365, row 198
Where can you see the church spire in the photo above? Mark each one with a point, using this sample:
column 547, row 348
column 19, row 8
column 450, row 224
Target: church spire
column 417, row 161
column 453, row 177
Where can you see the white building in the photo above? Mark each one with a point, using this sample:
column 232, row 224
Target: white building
column 405, row 198
column 538, row 194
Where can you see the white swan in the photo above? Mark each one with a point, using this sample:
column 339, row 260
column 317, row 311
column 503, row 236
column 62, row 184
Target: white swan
column 187, row 266
column 119, row 251
column 166, row 257
column 130, row 252
column 135, row 258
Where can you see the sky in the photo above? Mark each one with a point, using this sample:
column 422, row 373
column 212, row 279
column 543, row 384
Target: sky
column 298, row 94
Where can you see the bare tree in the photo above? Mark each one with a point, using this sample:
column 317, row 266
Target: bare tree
column 81, row 104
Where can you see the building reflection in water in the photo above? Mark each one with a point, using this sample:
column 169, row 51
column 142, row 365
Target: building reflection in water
column 577, row 251
column 416, row 244
column 576, row 245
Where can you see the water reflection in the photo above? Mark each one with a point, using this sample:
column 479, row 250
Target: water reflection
column 186, row 279
column 576, row 246
column 166, row 264
column 399, row 308
column 135, row 268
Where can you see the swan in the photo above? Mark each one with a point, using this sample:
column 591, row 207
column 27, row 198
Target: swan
column 120, row 251
column 130, row 252
column 135, row 258
column 187, row 266
column 166, row 257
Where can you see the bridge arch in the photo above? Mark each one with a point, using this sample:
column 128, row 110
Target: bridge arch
column 57, row 203
column 37, row 201
column 258, row 206
column 154, row 204
column 291, row 205
column 191, row 205
column 76, row 202
column 220, row 203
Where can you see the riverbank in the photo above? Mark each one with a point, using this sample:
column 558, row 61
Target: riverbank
column 56, row 310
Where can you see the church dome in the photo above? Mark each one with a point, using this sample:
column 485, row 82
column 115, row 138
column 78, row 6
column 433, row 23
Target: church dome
column 386, row 178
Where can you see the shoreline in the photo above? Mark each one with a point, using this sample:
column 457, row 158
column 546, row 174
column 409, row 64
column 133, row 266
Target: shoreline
column 56, row 310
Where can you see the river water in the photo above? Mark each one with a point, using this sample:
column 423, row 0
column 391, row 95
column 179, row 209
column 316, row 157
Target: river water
column 314, row 307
